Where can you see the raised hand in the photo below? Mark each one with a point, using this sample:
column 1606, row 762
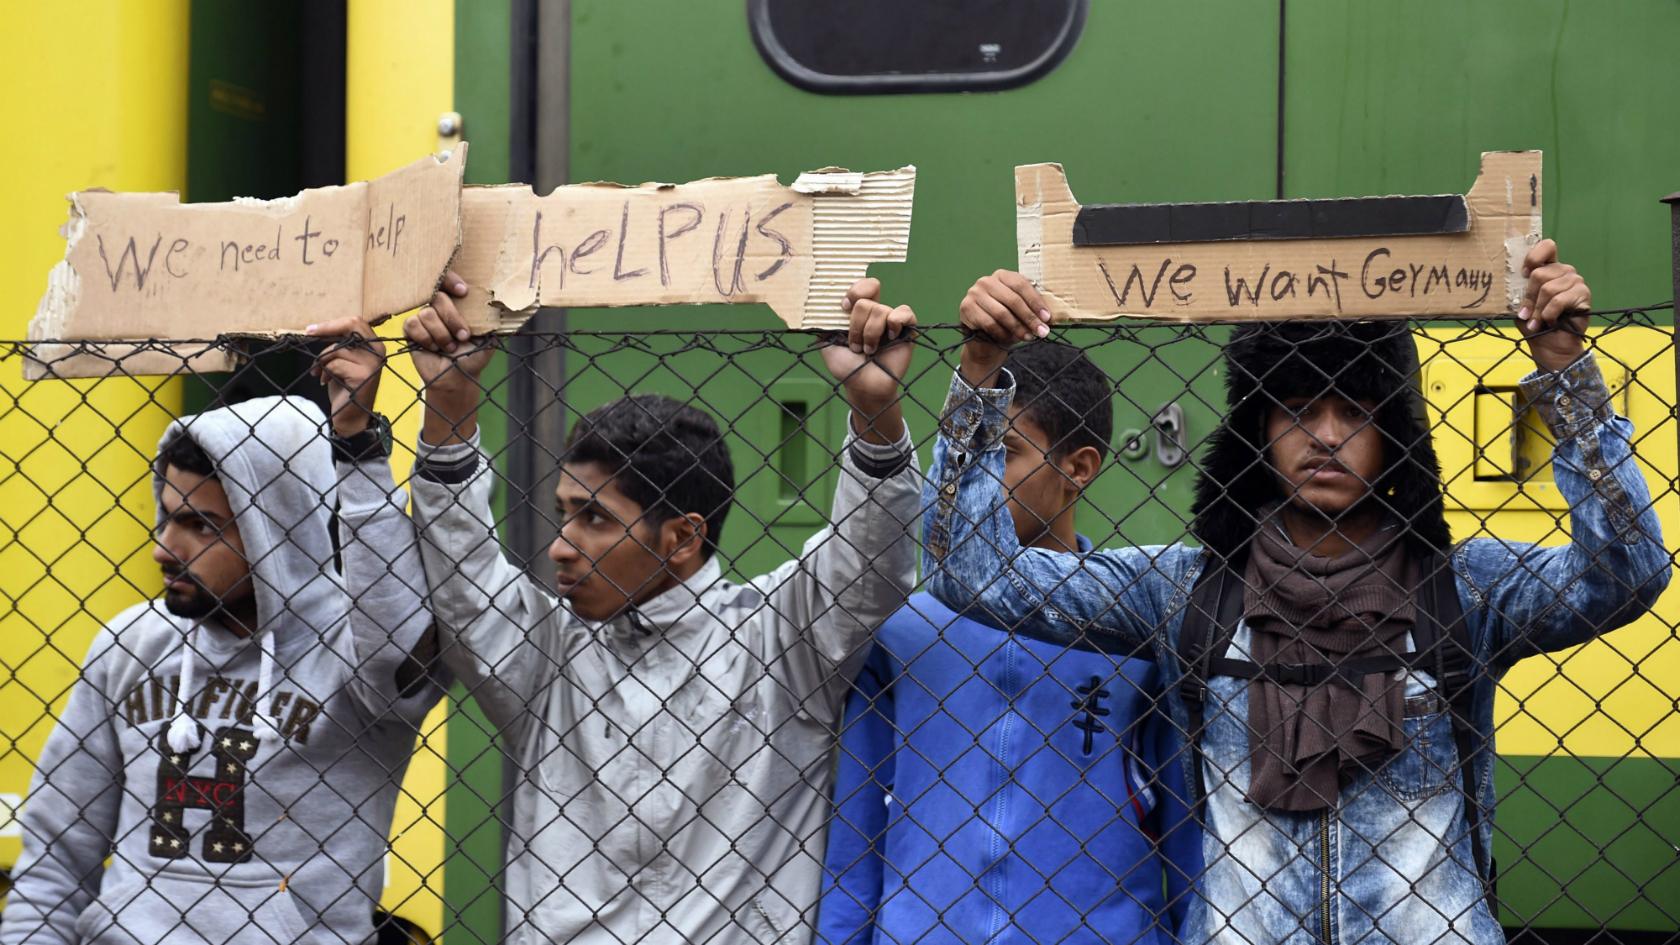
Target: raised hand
column 350, row 370
column 449, row 361
column 440, row 343
column 999, row 310
column 873, row 361
column 1556, row 301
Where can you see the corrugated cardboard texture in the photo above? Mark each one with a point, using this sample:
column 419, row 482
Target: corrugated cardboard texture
column 139, row 267
column 744, row 239
column 1475, row 274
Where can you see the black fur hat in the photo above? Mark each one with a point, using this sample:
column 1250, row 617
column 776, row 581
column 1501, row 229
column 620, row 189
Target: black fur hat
column 1267, row 363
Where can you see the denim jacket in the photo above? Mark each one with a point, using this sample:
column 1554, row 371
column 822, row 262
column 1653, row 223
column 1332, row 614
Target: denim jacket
column 1392, row 860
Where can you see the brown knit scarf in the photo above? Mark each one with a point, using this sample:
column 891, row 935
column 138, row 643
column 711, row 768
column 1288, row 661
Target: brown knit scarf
column 1306, row 741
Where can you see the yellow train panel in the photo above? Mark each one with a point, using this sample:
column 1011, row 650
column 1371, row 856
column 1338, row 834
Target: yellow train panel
column 105, row 106
column 1613, row 697
column 400, row 73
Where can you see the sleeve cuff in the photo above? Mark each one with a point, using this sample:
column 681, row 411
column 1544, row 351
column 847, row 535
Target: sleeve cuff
column 975, row 417
column 449, row 465
column 1571, row 400
column 879, row 460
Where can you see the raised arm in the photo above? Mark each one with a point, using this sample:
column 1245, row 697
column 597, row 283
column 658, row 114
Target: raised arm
column 1614, row 567
column 1540, row 599
column 1107, row 600
column 395, row 648
column 389, row 648
column 852, row 575
column 70, row 819
column 487, row 611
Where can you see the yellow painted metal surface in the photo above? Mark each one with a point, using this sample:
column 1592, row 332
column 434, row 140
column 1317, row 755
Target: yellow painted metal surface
column 97, row 99
column 1615, row 696
column 399, row 78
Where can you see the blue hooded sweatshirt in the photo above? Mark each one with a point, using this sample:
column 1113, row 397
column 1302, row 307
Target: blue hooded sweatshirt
column 993, row 788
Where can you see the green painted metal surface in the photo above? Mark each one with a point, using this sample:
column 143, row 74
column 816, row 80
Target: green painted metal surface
column 1403, row 98
column 676, row 91
column 1589, row 843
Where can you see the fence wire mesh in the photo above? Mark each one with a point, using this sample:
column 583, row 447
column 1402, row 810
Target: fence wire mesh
column 1200, row 637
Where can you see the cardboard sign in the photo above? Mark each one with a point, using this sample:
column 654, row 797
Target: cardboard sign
column 747, row 239
column 1456, row 256
column 146, row 266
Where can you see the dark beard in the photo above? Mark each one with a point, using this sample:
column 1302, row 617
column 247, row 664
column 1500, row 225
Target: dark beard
column 195, row 604
column 192, row 604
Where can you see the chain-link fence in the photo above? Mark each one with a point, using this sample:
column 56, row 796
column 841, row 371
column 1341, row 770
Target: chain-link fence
column 1198, row 631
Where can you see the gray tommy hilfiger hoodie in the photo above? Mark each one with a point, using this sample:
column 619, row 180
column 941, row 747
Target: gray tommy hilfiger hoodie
column 241, row 788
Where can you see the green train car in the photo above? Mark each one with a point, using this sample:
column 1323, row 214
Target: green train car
column 1140, row 100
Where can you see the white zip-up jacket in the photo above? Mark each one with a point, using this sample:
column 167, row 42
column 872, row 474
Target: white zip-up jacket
column 674, row 762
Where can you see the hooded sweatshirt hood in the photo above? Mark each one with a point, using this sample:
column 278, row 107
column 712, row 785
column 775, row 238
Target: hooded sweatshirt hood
column 1268, row 363
column 277, row 470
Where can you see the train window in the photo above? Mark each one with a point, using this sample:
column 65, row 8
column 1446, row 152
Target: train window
column 861, row 46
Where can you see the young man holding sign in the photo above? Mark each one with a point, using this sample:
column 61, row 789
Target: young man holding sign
column 1331, row 653
column 672, row 729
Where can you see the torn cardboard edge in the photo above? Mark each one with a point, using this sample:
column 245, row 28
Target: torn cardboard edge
column 146, row 266
column 796, row 248
column 1272, row 273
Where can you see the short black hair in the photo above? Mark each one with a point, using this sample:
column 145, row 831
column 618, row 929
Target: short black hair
column 1069, row 397
column 183, row 452
column 666, row 456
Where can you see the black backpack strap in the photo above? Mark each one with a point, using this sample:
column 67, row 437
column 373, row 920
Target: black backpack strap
column 1209, row 622
column 1445, row 636
column 1353, row 671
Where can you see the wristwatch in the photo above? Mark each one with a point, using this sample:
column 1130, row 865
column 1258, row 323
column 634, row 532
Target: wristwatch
column 372, row 443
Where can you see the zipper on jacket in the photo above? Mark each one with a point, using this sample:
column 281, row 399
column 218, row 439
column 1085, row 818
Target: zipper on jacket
column 1324, row 871
column 764, row 914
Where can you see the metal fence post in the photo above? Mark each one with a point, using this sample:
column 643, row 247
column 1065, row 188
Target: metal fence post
column 1673, row 201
